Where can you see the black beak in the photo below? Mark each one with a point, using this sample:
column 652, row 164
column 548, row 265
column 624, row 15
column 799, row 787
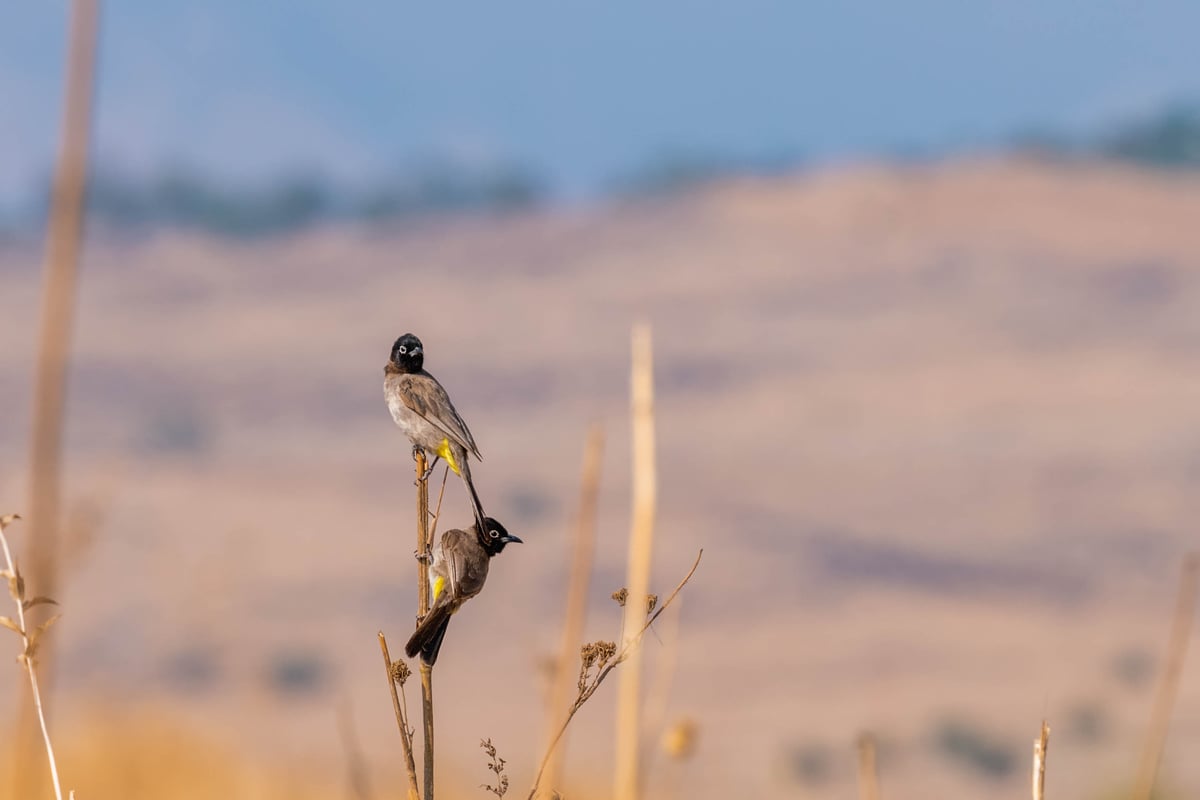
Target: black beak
column 511, row 538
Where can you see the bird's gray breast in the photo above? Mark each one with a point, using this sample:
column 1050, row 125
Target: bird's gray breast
column 415, row 427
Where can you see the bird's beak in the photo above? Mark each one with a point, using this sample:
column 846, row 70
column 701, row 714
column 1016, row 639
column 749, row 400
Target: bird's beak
column 511, row 538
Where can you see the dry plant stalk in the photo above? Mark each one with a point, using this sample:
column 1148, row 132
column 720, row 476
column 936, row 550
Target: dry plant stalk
column 604, row 657
column 577, row 591
column 424, row 557
column 641, row 545
column 1039, row 762
column 868, row 770
column 496, row 765
column 1160, row 717
column 63, row 243
column 30, row 639
column 397, row 673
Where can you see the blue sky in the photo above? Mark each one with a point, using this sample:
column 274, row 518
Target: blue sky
column 580, row 90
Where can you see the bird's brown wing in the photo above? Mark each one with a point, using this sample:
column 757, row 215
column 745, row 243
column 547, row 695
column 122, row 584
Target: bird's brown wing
column 466, row 564
column 425, row 396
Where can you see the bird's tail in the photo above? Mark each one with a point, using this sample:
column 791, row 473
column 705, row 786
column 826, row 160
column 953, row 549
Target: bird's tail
column 427, row 638
column 476, row 506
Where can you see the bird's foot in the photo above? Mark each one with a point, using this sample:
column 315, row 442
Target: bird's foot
column 422, row 556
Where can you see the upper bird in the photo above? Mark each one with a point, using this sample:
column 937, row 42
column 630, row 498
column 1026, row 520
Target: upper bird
column 422, row 409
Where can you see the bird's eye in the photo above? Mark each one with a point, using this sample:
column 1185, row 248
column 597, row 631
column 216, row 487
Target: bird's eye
column 495, row 534
column 403, row 349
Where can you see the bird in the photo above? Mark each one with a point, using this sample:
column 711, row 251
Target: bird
column 458, row 571
column 422, row 409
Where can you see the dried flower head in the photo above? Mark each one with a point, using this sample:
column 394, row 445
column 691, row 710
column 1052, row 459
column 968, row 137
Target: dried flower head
column 400, row 672
column 651, row 602
column 621, row 595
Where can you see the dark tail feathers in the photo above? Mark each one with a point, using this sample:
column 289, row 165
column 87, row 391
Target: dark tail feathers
column 427, row 638
column 475, row 504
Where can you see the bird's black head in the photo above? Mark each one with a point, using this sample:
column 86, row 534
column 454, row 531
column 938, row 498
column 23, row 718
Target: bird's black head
column 495, row 537
column 407, row 354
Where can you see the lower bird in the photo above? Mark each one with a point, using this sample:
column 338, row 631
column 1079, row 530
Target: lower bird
column 458, row 572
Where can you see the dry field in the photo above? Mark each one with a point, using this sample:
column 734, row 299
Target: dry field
column 936, row 427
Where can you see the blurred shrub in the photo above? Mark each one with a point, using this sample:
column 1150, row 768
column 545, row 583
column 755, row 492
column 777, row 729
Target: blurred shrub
column 677, row 171
column 1133, row 667
column 176, row 430
column 192, row 670
column 975, row 749
column 1086, row 722
column 186, row 199
column 530, row 505
column 1169, row 138
column 809, row 764
column 295, row 672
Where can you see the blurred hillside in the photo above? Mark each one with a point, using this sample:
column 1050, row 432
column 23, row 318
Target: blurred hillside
column 181, row 198
column 935, row 427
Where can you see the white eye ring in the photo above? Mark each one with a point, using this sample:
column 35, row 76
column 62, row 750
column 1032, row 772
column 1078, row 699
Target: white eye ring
column 495, row 534
column 403, row 349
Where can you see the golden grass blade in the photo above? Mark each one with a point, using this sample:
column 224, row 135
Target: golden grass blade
column 641, row 546
column 577, row 592
column 1039, row 762
column 1160, row 717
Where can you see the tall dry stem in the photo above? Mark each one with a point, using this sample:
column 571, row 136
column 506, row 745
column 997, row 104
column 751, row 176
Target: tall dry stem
column 424, row 557
column 641, row 546
column 577, row 592
column 63, row 243
column 1160, row 717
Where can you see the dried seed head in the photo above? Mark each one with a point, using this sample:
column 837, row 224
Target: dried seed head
column 604, row 652
column 587, row 654
column 620, row 595
column 651, row 602
column 400, row 672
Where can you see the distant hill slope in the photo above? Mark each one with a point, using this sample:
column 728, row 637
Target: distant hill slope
column 966, row 393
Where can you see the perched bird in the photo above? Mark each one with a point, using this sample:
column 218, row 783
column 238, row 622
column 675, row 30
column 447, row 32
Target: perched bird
column 459, row 569
column 422, row 409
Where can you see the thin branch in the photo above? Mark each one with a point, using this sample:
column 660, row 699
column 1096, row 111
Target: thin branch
column 437, row 513
column 29, row 641
column 586, row 690
column 1039, row 762
column 1160, row 717
column 394, row 680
